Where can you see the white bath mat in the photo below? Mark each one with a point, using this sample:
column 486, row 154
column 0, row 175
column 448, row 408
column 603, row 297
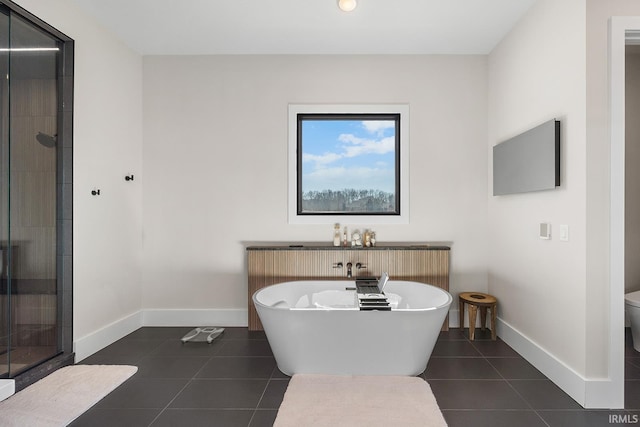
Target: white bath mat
column 331, row 400
column 62, row 396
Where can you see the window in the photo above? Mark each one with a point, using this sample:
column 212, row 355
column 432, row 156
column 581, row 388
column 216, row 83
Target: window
column 348, row 163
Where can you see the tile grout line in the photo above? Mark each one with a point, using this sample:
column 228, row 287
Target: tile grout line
column 502, row 378
column 517, row 393
column 170, row 402
column 182, row 389
column 513, row 388
column 261, row 397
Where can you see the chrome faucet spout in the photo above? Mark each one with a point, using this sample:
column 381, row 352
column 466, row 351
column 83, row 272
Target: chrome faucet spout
column 349, row 265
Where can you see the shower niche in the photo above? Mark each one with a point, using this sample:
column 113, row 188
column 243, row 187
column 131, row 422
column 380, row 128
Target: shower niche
column 36, row 69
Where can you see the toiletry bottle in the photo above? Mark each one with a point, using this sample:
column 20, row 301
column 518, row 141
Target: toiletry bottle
column 356, row 239
column 336, row 234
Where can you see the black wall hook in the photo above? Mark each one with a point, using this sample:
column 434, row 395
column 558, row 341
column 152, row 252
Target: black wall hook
column 95, row 192
column 129, row 177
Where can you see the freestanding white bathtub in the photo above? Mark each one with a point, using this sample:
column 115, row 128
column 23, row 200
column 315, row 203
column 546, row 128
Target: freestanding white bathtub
column 316, row 327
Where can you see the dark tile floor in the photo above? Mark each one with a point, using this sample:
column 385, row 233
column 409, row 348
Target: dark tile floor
column 235, row 382
column 486, row 383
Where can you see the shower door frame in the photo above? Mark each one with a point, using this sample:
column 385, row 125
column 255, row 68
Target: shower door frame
column 64, row 202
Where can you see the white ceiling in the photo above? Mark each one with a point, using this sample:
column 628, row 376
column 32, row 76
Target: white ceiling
column 169, row 27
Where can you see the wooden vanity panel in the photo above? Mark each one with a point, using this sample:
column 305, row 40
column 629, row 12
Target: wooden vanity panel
column 430, row 267
column 269, row 265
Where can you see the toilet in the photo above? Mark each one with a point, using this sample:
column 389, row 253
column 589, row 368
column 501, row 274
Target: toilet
column 632, row 307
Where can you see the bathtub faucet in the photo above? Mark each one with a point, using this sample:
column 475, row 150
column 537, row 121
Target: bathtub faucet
column 349, row 270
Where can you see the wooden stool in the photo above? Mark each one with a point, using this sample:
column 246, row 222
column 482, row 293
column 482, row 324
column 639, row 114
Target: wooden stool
column 477, row 300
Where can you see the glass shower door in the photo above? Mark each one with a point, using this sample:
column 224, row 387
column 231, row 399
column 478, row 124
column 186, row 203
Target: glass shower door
column 33, row 121
column 29, row 332
column 5, row 289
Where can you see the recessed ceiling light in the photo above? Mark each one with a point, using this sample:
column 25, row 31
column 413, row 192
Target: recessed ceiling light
column 347, row 5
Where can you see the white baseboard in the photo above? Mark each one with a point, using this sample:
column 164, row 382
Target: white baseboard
column 599, row 393
column 96, row 341
column 202, row 317
column 588, row 393
column 562, row 375
column 604, row 394
column 454, row 318
column 7, row 389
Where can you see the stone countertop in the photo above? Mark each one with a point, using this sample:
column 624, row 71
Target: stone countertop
column 316, row 246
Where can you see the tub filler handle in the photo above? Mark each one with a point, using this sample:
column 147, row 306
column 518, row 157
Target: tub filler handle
column 337, row 265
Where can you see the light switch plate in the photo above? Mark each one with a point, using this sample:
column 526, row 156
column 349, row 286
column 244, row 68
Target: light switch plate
column 564, row 232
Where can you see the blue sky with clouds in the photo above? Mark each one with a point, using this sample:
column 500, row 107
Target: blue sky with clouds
column 339, row 154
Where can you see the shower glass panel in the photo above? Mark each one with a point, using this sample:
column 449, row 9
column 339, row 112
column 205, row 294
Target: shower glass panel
column 29, row 122
column 5, row 289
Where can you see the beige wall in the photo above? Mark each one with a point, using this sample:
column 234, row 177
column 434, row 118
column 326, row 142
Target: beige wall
column 535, row 76
column 107, row 232
column 215, row 153
column 531, row 73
